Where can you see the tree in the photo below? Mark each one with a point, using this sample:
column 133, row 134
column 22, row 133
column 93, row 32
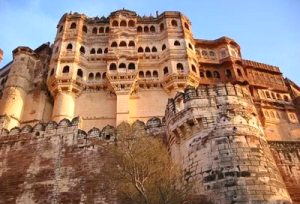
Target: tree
column 142, row 171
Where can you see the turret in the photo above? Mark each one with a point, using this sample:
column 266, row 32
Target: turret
column 1, row 55
column 17, row 85
column 215, row 135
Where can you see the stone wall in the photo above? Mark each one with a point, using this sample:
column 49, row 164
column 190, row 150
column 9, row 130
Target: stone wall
column 287, row 157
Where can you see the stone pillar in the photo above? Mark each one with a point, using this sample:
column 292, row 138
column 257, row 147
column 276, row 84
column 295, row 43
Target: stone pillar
column 64, row 106
column 122, row 108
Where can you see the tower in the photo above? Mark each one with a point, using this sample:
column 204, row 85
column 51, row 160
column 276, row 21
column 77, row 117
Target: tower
column 17, row 85
column 214, row 134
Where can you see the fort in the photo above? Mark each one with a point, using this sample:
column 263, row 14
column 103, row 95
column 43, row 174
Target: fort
column 230, row 123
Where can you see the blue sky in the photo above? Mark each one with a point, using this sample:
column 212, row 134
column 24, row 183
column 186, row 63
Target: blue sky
column 268, row 31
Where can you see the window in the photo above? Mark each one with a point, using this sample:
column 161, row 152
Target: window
column 123, row 44
column 107, row 29
column 69, row 47
column 131, row 66
column 79, row 73
column 99, row 51
column 51, row 73
column 105, row 50
column 216, row 74
column 131, row 23
column 193, row 68
column 94, row 31
column 154, row 49
column 204, row 53
column 239, row 72
column 163, row 47
column 73, row 26
column 208, row 74
column 141, row 74
column 93, row 51
column 155, row 74
column 66, row 69
column 273, row 95
column 161, row 27
column 104, row 75
column 122, row 66
column 152, row 29
column 98, row 76
column 146, row 29
column 272, row 114
column 115, row 23
column 84, row 28
column 166, row 70
column 180, row 67
column 212, row 53
column 228, row 73
column 139, row 29
column 177, row 43
column 186, row 26
column 114, row 44
column 101, row 30
column 61, row 28
column 82, row 50
column 147, row 49
column 140, row 49
column 286, row 98
column 123, row 23
column 190, row 46
column 148, row 74
column 174, row 23
column 268, row 94
column 112, row 66
column 201, row 74
column 131, row 44
column 91, row 76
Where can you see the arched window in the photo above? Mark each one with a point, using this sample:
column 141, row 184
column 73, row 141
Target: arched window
column 204, row 53
column 161, row 27
column 190, row 46
column 79, row 73
column 176, row 43
column 115, row 23
column 186, row 26
column 114, row 44
column 122, row 66
column 60, row 28
column 107, row 29
column 148, row 74
column 286, row 98
column 272, row 114
column 99, row 51
column 239, row 72
column 174, row 23
column 273, row 95
column 268, row 94
column 179, row 67
column 166, row 70
column 155, row 74
column 112, row 66
column 73, row 26
column 69, row 47
column 131, row 66
column 146, row 29
column 98, row 76
column 194, row 68
column 105, row 50
column 139, row 29
column 147, row 49
column 84, row 28
column 122, row 44
column 216, row 74
column 152, row 29
column 123, row 23
column 66, row 69
column 101, row 30
column 212, row 53
column 104, row 75
column 91, row 76
column 154, row 49
column 163, row 47
column 131, row 43
column 131, row 23
column 51, row 73
column 82, row 50
column 201, row 74
column 279, row 97
column 93, row 51
column 94, row 31
column 208, row 74
column 228, row 73
column 141, row 74
column 140, row 49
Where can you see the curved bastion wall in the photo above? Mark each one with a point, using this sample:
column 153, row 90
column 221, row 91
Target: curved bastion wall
column 214, row 134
